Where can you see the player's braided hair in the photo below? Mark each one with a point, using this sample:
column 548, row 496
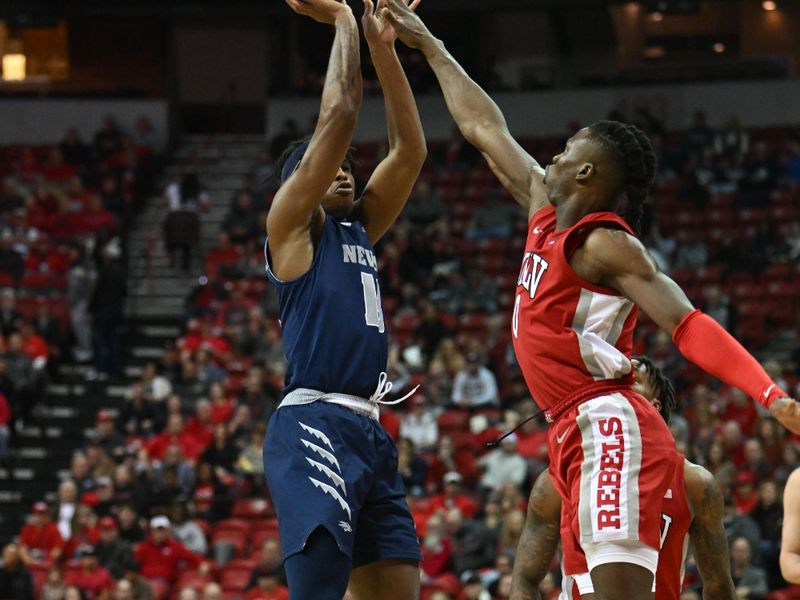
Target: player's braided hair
column 281, row 162
column 638, row 160
column 662, row 386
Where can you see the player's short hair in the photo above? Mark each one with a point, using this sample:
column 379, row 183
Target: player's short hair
column 662, row 386
column 637, row 159
column 286, row 155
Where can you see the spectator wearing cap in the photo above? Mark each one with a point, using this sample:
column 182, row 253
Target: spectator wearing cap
column 474, row 385
column 93, row 580
column 107, row 437
column 503, row 465
column 419, row 424
column 112, row 552
column 16, row 581
column 160, row 557
column 453, row 496
column 40, row 538
column 266, row 584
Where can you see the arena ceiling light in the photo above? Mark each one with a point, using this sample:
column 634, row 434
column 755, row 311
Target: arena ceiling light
column 769, row 5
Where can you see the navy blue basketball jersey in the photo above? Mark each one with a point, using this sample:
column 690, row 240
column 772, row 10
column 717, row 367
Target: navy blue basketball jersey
column 331, row 316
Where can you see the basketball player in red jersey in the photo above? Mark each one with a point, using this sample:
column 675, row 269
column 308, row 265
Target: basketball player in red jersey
column 692, row 509
column 583, row 275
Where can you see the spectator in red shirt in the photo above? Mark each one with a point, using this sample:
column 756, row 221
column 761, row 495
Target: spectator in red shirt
column 33, row 345
column 453, row 497
column 745, row 497
column 84, row 529
column 437, row 551
column 40, row 539
column 93, row 580
column 201, row 425
column 175, row 433
column 221, row 407
column 266, row 585
column 160, row 557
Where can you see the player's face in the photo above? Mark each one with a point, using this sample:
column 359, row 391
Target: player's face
column 559, row 175
column 338, row 200
column 643, row 386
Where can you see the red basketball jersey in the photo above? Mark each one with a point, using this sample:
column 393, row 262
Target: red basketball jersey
column 568, row 333
column 676, row 519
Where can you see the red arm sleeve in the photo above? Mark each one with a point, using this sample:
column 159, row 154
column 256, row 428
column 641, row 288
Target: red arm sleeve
column 704, row 342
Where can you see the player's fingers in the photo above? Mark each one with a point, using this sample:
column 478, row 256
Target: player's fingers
column 369, row 8
column 414, row 4
column 396, row 6
column 391, row 17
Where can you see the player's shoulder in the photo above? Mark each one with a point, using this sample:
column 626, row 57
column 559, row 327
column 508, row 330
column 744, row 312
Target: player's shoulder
column 792, row 489
column 701, row 485
column 614, row 250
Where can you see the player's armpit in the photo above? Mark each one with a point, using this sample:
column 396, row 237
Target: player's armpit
column 615, row 259
column 707, row 534
column 538, row 541
column 790, row 542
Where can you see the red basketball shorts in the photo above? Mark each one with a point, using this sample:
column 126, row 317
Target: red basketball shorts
column 609, row 460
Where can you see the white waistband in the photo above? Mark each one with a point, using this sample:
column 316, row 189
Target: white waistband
column 357, row 404
column 364, row 406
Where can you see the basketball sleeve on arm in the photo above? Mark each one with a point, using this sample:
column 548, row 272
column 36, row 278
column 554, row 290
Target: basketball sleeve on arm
column 706, row 343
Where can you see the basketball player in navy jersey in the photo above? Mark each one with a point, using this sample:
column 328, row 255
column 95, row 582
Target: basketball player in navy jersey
column 330, row 466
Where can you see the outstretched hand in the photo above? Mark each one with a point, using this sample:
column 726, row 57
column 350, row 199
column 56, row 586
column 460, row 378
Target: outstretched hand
column 405, row 22
column 787, row 411
column 323, row 11
column 377, row 28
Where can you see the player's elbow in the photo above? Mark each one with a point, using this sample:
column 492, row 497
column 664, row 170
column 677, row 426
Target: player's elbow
column 790, row 566
column 340, row 112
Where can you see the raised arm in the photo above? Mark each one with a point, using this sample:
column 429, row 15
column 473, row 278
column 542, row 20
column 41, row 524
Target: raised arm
column 391, row 183
column 538, row 541
column 475, row 113
column 619, row 261
column 790, row 542
column 297, row 203
column 707, row 534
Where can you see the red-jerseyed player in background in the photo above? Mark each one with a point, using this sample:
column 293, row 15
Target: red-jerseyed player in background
column 583, row 275
column 691, row 510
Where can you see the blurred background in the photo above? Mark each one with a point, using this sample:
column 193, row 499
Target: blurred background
column 140, row 354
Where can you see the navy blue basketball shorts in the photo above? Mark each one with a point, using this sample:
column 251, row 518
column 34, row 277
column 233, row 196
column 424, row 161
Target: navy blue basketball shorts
column 329, row 466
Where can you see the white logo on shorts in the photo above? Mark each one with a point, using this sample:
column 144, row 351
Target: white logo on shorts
column 560, row 438
column 345, row 526
column 333, row 476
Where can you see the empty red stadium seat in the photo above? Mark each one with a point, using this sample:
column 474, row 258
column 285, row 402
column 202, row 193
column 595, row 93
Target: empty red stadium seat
column 453, row 420
column 252, row 508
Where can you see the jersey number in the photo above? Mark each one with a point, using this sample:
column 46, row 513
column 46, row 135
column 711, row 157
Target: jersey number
column 373, row 313
column 665, row 529
column 515, row 317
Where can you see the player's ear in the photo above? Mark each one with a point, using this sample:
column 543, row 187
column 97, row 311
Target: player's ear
column 657, row 405
column 585, row 172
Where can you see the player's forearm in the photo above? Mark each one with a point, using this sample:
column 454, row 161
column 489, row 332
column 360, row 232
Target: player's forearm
column 341, row 94
column 535, row 551
column 406, row 137
column 470, row 105
column 704, row 342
